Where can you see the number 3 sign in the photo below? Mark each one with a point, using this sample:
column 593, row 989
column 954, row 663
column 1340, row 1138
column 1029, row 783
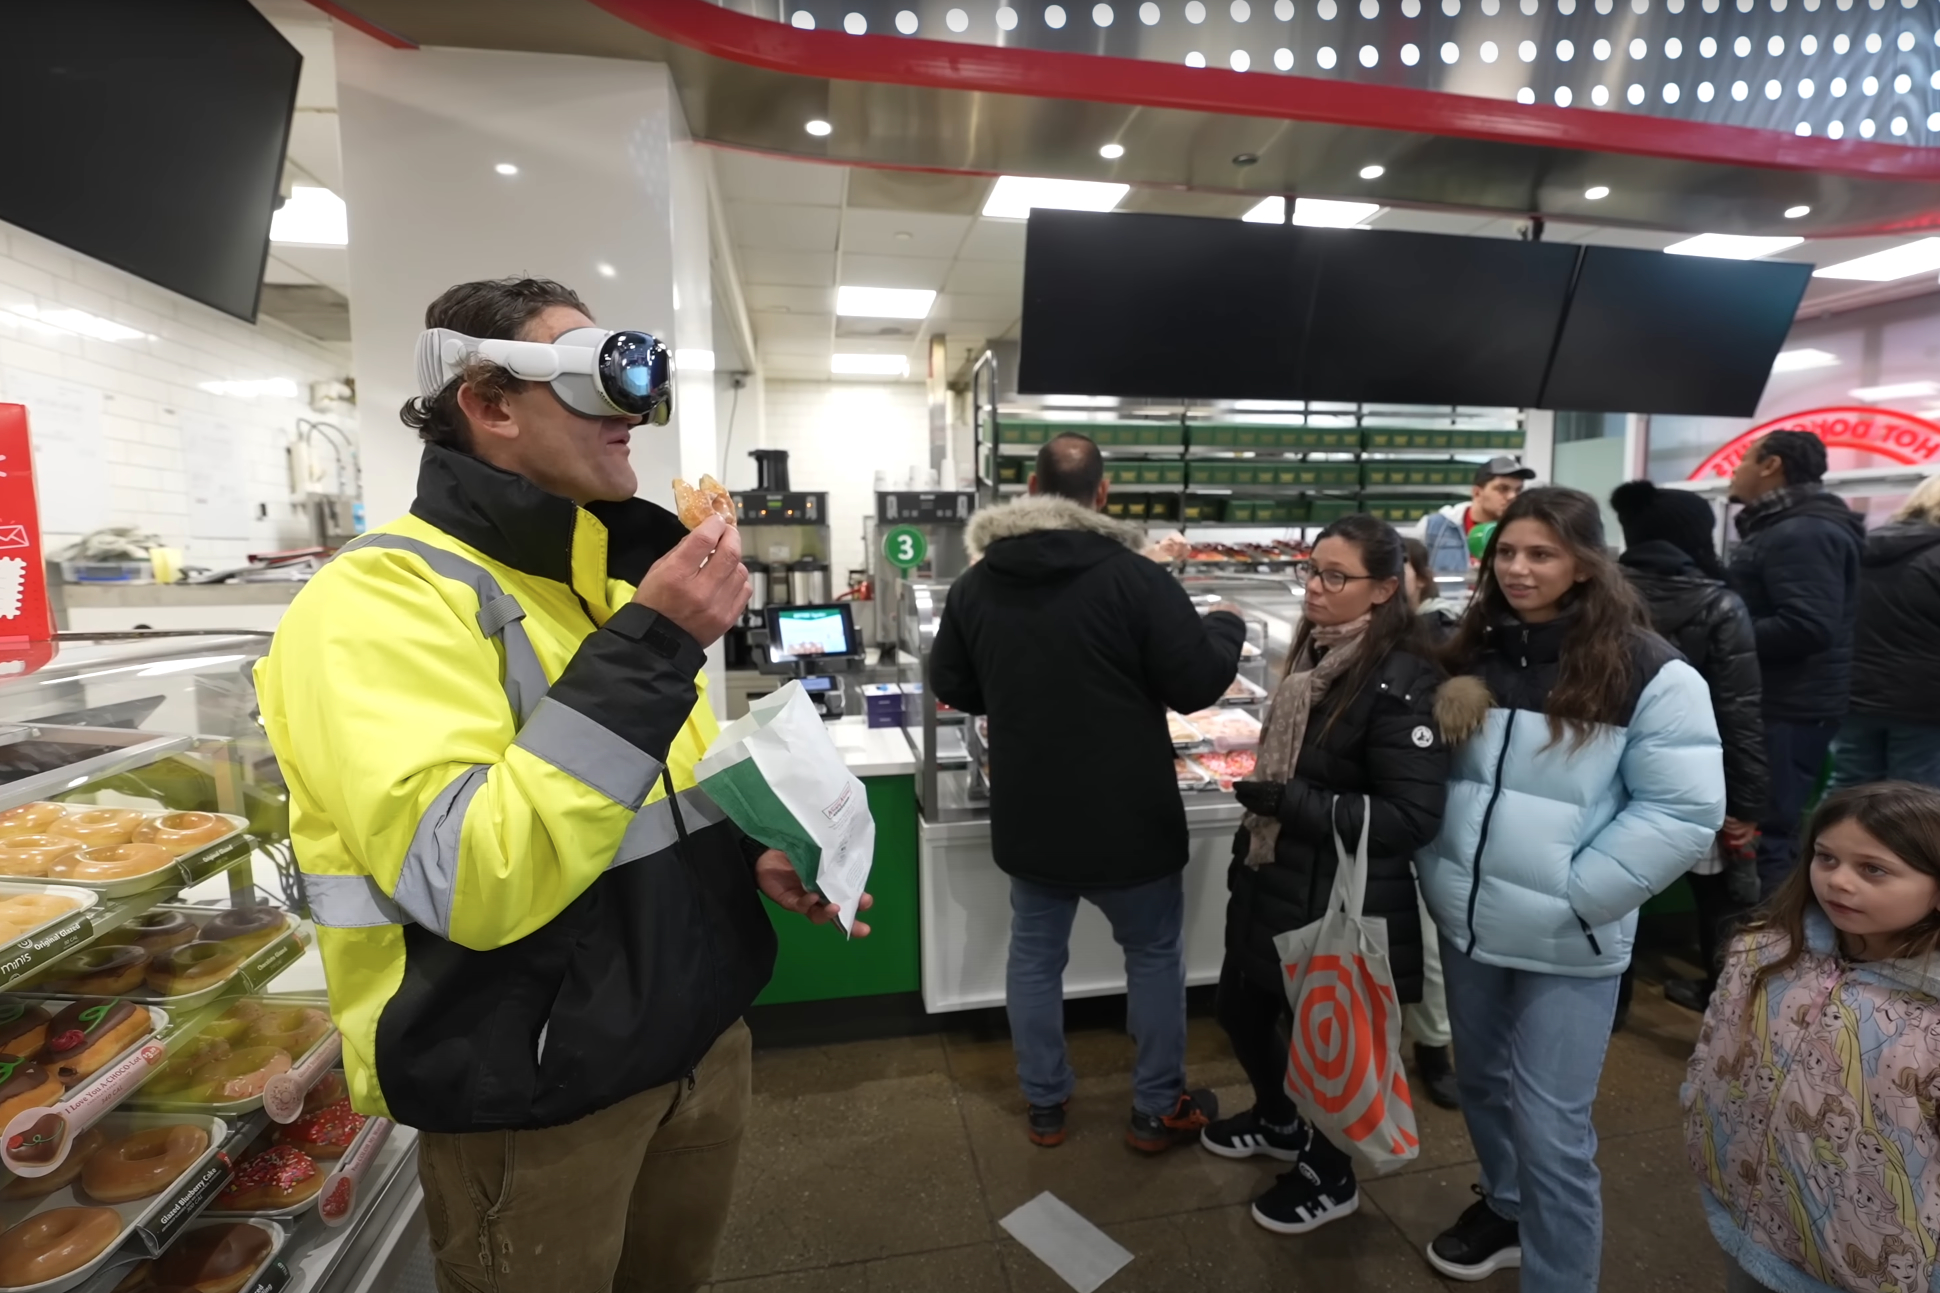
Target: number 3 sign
column 905, row 547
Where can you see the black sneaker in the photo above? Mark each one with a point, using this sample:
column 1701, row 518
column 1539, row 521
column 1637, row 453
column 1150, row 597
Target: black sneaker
column 1304, row 1199
column 1156, row 1133
column 1477, row 1246
column 1047, row 1124
column 1244, row 1136
column 1438, row 1076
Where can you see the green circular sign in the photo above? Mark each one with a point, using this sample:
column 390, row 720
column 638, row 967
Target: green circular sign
column 905, row 547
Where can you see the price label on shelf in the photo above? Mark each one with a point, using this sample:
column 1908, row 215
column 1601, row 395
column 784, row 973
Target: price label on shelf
column 905, row 547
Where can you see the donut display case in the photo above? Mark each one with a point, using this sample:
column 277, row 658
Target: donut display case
column 180, row 957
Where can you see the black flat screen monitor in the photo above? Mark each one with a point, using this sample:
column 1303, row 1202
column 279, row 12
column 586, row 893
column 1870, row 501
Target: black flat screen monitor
column 149, row 135
column 811, row 632
column 1651, row 333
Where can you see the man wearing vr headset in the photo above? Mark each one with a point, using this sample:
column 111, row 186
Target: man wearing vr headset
column 539, row 936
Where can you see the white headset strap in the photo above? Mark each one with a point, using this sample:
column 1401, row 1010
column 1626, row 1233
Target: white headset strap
column 441, row 355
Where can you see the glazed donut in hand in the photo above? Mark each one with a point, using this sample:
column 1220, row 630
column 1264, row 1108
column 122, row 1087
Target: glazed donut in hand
column 279, row 1177
column 696, row 503
column 110, row 862
column 30, row 819
column 214, row 1259
column 326, row 1133
column 97, row 972
column 90, row 1033
column 192, row 968
column 39, row 1187
column 247, row 928
column 25, row 1085
column 51, row 1244
column 32, row 855
column 158, row 931
column 179, row 833
column 99, row 827
column 145, row 1163
column 23, row 1029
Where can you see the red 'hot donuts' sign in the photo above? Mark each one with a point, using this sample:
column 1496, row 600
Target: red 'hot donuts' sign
column 1897, row 437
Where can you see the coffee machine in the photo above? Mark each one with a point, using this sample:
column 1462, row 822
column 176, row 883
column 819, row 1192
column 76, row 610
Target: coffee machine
column 941, row 516
column 785, row 546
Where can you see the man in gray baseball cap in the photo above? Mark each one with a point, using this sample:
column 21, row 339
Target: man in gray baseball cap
column 1445, row 533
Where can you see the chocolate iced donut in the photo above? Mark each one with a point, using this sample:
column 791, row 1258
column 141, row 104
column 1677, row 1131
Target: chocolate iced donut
column 245, row 927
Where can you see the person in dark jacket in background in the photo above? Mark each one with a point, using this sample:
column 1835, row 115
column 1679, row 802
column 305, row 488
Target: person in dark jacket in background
column 1798, row 570
column 1893, row 731
column 1670, row 558
column 1438, row 615
column 1074, row 644
column 1350, row 740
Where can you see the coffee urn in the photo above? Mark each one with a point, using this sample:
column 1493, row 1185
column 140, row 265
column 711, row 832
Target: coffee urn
column 808, row 582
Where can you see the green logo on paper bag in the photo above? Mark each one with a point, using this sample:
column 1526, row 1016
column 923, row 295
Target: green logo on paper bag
column 905, row 547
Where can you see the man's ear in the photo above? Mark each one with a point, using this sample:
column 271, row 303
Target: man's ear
column 488, row 416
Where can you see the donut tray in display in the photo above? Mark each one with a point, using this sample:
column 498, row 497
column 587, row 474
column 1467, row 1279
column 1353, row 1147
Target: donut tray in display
column 134, row 1215
column 27, row 947
column 269, row 1276
column 351, row 1164
column 254, row 969
column 306, row 1068
column 88, row 1100
column 192, row 867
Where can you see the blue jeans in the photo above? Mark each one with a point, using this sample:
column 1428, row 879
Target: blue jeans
column 1529, row 1050
column 1796, row 753
column 1148, row 921
column 1873, row 747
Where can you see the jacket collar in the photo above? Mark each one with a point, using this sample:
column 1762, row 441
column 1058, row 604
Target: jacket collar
column 1041, row 512
column 1659, row 557
column 1763, row 511
column 516, row 523
column 1531, row 644
column 1921, row 975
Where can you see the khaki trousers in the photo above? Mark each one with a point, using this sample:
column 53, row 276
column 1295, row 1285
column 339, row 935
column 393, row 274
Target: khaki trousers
column 633, row 1198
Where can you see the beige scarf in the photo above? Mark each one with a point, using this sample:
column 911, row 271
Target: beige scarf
column 1305, row 683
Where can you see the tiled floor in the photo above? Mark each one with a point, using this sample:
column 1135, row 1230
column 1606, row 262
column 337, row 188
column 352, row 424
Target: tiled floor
column 880, row 1166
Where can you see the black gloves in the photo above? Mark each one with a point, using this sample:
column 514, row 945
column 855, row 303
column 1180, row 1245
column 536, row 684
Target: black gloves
column 1261, row 798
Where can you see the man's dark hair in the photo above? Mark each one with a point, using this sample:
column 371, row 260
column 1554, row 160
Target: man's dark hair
column 1800, row 452
column 494, row 309
column 1070, row 466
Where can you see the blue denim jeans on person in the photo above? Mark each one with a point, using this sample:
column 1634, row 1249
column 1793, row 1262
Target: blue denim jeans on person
column 1796, row 753
column 1531, row 1050
column 1148, row 922
column 1873, row 747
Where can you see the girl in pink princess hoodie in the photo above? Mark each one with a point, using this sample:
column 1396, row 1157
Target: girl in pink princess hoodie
column 1809, row 1105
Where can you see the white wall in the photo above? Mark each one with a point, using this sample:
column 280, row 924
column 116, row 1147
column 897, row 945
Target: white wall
column 133, row 420
column 838, row 435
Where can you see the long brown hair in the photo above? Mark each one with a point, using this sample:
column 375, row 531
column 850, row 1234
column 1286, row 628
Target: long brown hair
column 1899, row 814
column 1392, row 624
column 1593, row 677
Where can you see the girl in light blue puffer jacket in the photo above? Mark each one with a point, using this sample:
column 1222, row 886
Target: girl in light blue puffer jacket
column 1587, row 777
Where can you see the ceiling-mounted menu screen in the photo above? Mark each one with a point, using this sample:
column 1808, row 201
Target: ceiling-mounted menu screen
column 1176, row 307
column 149, row 135
column 1651, row 333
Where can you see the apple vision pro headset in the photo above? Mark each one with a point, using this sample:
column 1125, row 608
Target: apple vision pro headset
column 594, row 372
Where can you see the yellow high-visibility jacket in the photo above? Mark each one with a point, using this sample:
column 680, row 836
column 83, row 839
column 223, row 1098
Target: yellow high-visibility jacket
column 479, row 729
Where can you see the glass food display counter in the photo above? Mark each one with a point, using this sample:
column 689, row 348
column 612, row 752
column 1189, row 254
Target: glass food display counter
column 171, row 1102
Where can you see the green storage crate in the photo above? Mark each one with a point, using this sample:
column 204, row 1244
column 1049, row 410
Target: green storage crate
column 1129, row 507
column 1174, row 473
column 1205, row 509
column 1290, row 511
column 1213, row 437
column 1162, row 507
column 1296, row 473
column 1151, row 473
column 1212, row 473
column 1012, row 471
column 1323, row 510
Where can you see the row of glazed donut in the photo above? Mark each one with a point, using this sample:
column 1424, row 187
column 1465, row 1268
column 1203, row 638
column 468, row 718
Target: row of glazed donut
column 55, row 841
column 235, row 1057
column 167, row 951
column 22, row 914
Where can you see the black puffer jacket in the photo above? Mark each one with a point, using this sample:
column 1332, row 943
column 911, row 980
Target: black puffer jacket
column 1708, row 622
column 1385, row 750
column 1896, row 648
column 1798, row 571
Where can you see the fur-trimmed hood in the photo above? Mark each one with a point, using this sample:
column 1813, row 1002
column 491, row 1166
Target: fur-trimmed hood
column 1042, row 512
column 1461, row 706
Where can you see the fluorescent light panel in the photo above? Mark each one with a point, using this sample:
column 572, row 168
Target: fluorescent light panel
column 311, row 216
column 1731, row 246
column 78, row 322
column 869, row 365
column 1895, row 391
column 1314, row 213
column 884, row 302
column 1904, row 261
column 1794, row 361
column 1013, row 196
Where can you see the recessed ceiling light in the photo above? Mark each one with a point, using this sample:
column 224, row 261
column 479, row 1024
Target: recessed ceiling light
column 818, row 128
column 1013, row 196
column 1895, row 391
column 1793, row 361
column 884, row 302
column 312, row 216
column 869, row 365
column 1373, row 172
column 1112, row 152
column 904, row 235
column 506, row 168
column 606, row 270
column 1598, row 193
column 1731, row 246
column 1793, row 213
column 1903, row 261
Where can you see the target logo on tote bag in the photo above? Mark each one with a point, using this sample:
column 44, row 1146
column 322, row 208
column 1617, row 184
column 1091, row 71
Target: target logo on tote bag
column 1344, row 1064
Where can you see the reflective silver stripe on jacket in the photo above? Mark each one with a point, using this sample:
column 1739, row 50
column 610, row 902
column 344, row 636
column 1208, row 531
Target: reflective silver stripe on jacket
column 349, row 902
column 588, row 752
column 652, row 829
column 429, row 877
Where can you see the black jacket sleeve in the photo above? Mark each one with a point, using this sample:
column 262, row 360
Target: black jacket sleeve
column 953, row 671
column 1190, row 660
column 1803, row 565
column 1731, row 669
column 1407, row 765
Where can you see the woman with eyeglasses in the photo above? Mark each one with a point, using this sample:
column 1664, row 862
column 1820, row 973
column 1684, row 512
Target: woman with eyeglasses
column 1587, row 777
column 1350, row 737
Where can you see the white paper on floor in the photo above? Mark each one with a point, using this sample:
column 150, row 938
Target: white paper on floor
column 1082, row 1255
